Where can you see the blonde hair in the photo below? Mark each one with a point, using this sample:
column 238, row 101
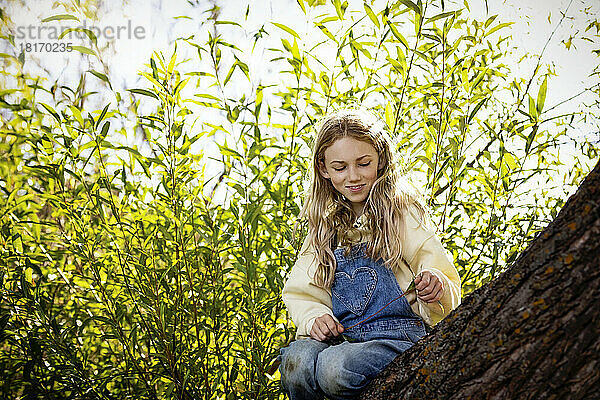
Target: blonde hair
column 327, row 210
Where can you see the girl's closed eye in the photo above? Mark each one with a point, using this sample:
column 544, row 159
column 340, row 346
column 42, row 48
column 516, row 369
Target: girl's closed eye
column 360, row 165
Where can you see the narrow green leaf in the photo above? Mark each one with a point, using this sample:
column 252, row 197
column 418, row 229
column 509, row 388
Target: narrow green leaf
column 51, row 111
column 287, row 29
column 371, row 14
column 327, row 32
column 477, row 107
column 207, row 96
column 84, row 50
column 77, row 115
column 479, row 78
column 532, row 109
column 104, row 130
column 498, row 27
column 87, row 32
column 440, row 16
column 340, row 8
column 301, row 4
column 227, row 23
column 397, row 34
column 60, row 17
column 102, row 115
column 100, row 76
column 541, row 98
column 411, row 5
column 389, row 115
column 144, row 92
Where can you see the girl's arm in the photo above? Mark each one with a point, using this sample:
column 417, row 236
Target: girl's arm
column 304, row 300
column 426, row 253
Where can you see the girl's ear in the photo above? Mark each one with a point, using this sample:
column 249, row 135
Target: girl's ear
column 380, row 163
column 323, row 170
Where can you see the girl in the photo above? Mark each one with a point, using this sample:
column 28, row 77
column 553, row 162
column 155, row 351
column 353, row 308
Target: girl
column 369, row 238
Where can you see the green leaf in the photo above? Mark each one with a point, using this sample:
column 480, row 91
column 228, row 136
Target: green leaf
column 29, row 276
column 51, row 111
column 478, row 79
column 340, row 8
column 498, row 27
column 327, row 32
column 287, row 29
column 77, row 115
column 104, row 131
column 397, row 34
column 389, row 115
column 100, row 76
column 440, row 16
column 88, row 33
column 411, row 5
column 144, row 92
column 541, row 98
column 397, row 65
column 532, row 109
column 207, row 96
column 60, row 17
column 371, row 14
column 84, row 50
column 227, row 23
column 477, row 107
column 301, row 4
column 102, row 115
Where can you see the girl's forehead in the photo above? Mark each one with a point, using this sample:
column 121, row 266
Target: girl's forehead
column 351, row 148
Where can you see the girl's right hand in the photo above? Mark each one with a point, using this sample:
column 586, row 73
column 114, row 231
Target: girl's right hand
column 325, row 327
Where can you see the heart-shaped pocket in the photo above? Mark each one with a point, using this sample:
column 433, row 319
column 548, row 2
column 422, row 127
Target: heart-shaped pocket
column 355, row 291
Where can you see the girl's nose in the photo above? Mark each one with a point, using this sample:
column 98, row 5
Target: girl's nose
column 353, row 174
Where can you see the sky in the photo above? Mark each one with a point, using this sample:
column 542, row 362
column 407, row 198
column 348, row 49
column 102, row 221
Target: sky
column 144, row 26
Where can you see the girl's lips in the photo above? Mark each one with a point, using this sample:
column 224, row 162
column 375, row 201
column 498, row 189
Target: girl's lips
column 356, row 188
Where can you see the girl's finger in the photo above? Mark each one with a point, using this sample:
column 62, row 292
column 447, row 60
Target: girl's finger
column 435, row 294
column 318, row 334
column 424, row 281
column 331, row 327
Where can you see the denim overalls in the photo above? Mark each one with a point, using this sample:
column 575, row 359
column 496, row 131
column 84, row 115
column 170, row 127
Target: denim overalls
column 361, row 288
column 311, row 369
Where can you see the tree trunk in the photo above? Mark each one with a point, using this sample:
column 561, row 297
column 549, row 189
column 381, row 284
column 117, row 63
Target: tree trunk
column 533, row 333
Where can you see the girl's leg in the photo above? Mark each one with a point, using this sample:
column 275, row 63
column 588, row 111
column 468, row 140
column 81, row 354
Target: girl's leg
column 342, row 371
column 297, row 369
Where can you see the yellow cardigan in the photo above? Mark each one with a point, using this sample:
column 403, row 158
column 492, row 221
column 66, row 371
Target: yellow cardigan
column 422, row 250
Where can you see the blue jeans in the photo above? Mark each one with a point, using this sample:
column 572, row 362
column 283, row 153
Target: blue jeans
column 311, row 369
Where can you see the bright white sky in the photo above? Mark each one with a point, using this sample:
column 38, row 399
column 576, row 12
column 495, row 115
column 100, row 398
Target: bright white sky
column 534, row 19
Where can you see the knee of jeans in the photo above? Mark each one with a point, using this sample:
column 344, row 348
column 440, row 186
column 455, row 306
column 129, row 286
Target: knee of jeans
column 336, row 375
column 298, row 359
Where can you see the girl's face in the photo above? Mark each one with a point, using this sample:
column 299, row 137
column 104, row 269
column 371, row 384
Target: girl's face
column 351, row 165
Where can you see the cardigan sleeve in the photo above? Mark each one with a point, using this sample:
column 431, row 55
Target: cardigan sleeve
column 428, row 254
column 304, row 300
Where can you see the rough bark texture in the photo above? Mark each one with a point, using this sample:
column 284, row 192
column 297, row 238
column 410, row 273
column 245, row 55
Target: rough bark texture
column 533, row 333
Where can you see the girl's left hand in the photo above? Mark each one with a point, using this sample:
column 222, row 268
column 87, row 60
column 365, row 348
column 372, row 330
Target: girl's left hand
column 429, row 287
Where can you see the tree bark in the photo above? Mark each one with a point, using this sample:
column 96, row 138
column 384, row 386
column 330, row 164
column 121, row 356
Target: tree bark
column 532, row 333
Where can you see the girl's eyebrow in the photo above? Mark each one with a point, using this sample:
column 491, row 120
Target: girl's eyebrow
column 358, row 159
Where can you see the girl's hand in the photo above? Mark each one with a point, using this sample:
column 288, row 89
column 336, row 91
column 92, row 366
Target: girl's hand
column 429, row 287
column 325, row 327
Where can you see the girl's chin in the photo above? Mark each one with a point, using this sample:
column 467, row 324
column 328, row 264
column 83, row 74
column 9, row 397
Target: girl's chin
column 357, row 200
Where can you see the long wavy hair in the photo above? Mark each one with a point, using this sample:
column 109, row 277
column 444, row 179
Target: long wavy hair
column 329, row 212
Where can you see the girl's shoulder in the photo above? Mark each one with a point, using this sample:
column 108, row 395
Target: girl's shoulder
column 415, row 216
